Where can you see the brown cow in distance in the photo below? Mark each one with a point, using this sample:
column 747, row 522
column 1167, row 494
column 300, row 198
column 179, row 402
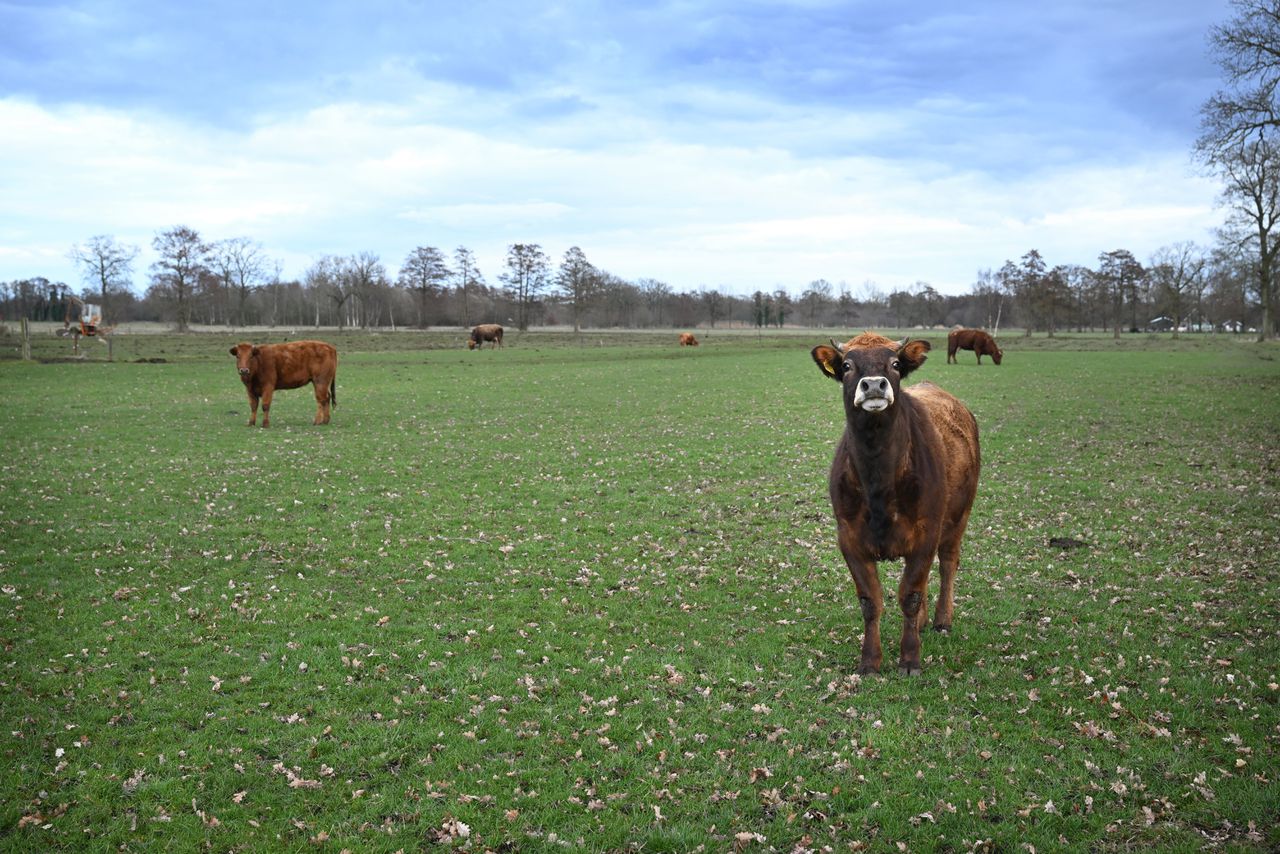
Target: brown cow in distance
column 902, row 484
column 485, row 332
column 687, row 340
column 267, row 367
column 973, row 339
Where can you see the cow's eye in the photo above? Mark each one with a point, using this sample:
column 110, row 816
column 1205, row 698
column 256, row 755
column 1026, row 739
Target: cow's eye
column 848, row 366
column 894, row 364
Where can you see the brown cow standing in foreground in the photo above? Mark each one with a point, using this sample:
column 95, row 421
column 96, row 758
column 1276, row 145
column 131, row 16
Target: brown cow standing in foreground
column 973, row 339
column 267, row 367
column 485, row 332
column 902, row 484
column 687, row 340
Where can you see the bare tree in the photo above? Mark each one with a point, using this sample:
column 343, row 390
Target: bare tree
column 1076, row 280
column 240, row 264
column 619, row 299
column 107, row 264
column 932, row 305
column 781, row 306
column 579, row 282
column 656, row 296
column 526, row 277
column 1174, row 271
column 1252, row 196
column 989, row 298
column 715, row 304
column 367, row 279
column 815, row 300
column 1118, row 271
column 177, row 271
column 275, row 287
column 1239, row 125
column 325, row 279
column 846, row 306
column 423, row 272
column 1247, row 49
column 468, row 276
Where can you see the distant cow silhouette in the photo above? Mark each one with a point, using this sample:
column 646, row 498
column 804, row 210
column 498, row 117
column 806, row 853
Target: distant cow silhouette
column 687, row 340
column 902, row 484
column 266, row 367
column 485, row 332
column 973, row 339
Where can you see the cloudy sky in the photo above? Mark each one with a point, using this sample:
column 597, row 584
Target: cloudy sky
column 731, row 144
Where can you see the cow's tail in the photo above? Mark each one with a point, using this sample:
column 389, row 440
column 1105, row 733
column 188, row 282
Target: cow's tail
column 333, row 391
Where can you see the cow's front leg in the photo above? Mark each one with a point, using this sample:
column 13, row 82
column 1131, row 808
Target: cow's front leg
column 913, row 599
column 872, row 605
column 266, row 405
column 866, row 578
column 253, row 409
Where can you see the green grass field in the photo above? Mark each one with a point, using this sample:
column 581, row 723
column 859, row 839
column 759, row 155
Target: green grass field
column 584, row 594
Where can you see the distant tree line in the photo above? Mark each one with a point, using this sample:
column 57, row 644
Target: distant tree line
column 233, row 283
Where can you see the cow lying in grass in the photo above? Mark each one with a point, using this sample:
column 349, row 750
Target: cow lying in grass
column 902, row 484
column 266, row 367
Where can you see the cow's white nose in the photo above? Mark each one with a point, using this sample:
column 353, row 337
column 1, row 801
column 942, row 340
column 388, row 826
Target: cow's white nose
column 873, row 394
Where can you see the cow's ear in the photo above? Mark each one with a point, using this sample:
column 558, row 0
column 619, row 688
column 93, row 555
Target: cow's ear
column 235, row 351
column 829, row 360
column 911, row 355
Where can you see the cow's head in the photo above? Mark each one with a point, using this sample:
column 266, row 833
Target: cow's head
column 871, row 369
column 471, row 342
column 244, row 353
column 997, row 354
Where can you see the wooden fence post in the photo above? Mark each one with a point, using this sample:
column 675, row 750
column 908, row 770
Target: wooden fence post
column 26, row 340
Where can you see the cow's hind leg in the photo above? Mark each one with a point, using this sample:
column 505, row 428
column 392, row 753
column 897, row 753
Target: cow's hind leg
column 321, row 385
column 948, row 566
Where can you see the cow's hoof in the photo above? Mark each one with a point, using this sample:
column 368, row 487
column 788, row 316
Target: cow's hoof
column 909, row 670
column 867, row 670
column 942, row 629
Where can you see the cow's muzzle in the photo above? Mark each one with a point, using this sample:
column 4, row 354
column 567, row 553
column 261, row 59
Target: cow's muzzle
column 244, row 372
column 873, row 394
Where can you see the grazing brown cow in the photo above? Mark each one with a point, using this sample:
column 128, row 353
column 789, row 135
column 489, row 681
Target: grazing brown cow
column 975, row 340
column 485, row 332
column 902, row 484
column 267, row 367
column 687, row 340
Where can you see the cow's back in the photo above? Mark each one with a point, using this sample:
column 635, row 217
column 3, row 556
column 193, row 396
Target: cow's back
column 297, row 363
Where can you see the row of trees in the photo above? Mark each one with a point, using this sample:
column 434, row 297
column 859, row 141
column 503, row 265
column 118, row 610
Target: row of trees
column 232, row 283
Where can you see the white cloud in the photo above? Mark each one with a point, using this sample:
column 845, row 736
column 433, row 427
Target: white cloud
column 740, row 203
